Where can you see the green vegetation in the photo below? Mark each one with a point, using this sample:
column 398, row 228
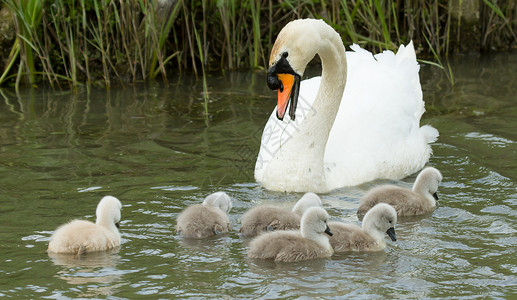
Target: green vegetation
column 110, row 42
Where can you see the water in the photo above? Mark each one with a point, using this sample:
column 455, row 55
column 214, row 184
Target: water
column 60, row 152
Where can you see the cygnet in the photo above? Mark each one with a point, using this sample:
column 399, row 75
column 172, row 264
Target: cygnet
column 203, row 220
column 263, row 218
column 379, row 220
column 79, row 236
column 310, row 242
column 422, row 199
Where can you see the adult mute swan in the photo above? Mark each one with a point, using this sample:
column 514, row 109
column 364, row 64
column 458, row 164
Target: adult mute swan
column 334, row 136
column 80, row 236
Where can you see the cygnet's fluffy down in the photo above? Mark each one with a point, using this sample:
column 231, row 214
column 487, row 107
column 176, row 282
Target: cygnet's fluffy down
column 310, row 242
column 203, row 220
column 263, row 218
column 379, row 220
column 420, row 200
column 78, row 236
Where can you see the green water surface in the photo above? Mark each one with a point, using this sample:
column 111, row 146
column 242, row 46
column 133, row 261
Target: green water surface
column 154, row 149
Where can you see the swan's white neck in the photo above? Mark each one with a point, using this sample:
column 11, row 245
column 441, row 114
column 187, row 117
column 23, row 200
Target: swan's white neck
column 302, row 156
column 108, row 224
column 320, row 238
column 370, row 228
column 421, row 188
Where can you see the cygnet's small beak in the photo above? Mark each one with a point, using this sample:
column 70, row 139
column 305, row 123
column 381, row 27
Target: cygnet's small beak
column 435, row 196
column 391, row 233
column 327, row 231
column 117, row 224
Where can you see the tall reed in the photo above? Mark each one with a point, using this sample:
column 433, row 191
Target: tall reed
column 116, row 41
column 27, row 19
column 91, row 41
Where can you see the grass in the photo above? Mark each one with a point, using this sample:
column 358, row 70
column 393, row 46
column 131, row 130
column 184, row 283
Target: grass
column 117, row 42
column 27, row 16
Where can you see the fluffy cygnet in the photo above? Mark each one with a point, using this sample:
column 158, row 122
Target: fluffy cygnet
column 420, row 200
column 79, row 236
column 203, row 220
column 379, row 220
column 270, row 218
column 310, row 242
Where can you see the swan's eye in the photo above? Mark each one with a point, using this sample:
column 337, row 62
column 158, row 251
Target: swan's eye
column 285, row 54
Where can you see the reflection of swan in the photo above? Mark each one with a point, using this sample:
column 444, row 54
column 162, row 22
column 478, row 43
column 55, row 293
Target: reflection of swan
column 207, row 219
column 270, row 218
column 340, row 139
column 97, row 270
column 379, row 220
column 107, row 258
column 420, row 200
column 288, row 245
column 80, row 236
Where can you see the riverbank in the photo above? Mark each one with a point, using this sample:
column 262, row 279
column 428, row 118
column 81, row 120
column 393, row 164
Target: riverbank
column 68, row 43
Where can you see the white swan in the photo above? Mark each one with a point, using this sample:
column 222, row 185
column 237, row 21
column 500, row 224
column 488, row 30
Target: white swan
column 310, row 242
column 420, row 200
column 331, row 139
column 79, row 236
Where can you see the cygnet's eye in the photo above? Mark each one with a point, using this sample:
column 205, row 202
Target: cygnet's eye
column 285, row 54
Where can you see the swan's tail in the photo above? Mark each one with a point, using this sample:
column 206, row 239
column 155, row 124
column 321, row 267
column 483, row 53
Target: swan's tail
column 406, row 52
column 430, row 133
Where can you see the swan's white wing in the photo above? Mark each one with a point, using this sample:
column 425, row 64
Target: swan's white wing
column 377, row 131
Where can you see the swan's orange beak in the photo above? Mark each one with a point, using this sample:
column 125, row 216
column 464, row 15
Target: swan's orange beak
column 284, row 93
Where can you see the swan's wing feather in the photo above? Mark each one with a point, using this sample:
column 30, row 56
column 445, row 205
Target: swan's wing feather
column 377, row 131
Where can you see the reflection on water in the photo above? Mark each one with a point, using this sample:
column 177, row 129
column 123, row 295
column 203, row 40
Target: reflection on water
column 106, row 259
column 95, row 270
column 62, row 151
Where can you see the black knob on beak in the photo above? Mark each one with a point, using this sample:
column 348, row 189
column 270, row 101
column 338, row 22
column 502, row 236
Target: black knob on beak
column 273, row 82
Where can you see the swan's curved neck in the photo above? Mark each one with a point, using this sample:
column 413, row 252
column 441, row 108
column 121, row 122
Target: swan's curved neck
column 320, row 238
column 309, row 143
column 370, row 228
column 330, row 92
column 315, row 129
column 421, row 188
column 106, row 223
